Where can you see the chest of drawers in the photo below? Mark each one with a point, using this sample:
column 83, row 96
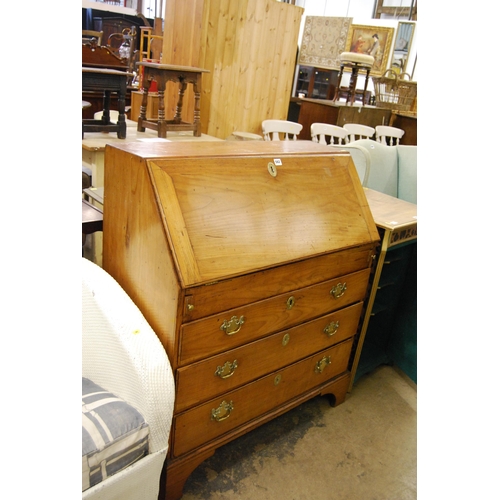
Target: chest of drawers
column 251, row 261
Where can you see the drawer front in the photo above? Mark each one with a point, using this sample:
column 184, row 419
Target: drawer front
column 206, row 379
column 236, row 327
column 209, row 299
column 218, row 416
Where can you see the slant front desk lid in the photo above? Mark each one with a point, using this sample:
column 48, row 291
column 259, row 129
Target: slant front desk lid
column 230, row 208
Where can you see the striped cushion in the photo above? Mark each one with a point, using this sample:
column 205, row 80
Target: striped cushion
column 114, row 434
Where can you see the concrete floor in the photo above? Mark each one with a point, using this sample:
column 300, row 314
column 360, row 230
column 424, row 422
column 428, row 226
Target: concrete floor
column 364, row 449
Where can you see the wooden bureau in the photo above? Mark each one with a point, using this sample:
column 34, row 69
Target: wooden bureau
column 251, row 260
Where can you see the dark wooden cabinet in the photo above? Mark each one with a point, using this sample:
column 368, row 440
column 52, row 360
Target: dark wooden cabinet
column 389, row 333
column 316, row 83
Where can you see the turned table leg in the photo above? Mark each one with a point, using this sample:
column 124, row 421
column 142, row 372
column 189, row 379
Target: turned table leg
column 178, row 109
column 122, row 122
column 162, row 125
column 144, row 105
column 197, row 96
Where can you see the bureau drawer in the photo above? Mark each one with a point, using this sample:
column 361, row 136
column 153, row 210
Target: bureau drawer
column 206, row 379
column 236, row 327
column 218, row 416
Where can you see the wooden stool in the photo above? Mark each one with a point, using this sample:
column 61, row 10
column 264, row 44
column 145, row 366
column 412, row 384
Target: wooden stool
column 356, row 62
column 163, row 73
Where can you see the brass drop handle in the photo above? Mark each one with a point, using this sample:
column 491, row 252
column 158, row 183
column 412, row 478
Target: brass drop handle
column 227, row 369
column 338, row 290
column 233, row 325
column 222, row 412
column 332, row 328
column 322, row 364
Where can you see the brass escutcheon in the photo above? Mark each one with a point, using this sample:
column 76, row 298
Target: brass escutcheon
column 332, row 328
column 290, row 302
column 233, row 325
column 222, row 412
column 227, row 369
column 277, row 379
column 322, row 364
column 286, row 339
column 338, row 290
column 271, row 167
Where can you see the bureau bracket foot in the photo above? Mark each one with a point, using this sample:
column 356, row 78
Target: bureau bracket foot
column 178, row 470
column 337, row 390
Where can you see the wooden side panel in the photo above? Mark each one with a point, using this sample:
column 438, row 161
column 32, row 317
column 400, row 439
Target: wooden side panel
column 249, row 47
column 204, row 337
column 135, row 220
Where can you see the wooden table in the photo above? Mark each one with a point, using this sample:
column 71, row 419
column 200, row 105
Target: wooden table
column 163, row 73
column 106, row 81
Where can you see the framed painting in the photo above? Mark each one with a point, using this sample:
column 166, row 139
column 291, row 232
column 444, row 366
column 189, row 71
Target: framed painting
column 402, row 45
column 373, row 40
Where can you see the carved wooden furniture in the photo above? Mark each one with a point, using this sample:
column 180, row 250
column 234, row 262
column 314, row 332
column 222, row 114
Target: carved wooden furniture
column 251, row 260
column 357, row 62
column 88, row 35
column 389, row 332
column 106, row 81
column 163, row 73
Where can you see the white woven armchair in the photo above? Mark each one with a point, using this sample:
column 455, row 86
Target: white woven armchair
column 122, row 354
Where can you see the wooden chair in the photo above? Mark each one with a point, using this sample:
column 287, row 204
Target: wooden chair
column 320, row 132
column 388, row 135
column 356, row 131
column 273, row 128
column 87, row 36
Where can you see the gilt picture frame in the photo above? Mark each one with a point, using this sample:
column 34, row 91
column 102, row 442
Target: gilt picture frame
column 372, row 40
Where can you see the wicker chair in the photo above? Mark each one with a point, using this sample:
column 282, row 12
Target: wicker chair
column 122, row 354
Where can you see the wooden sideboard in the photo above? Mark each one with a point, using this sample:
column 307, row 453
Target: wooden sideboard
column 251, row 260
column 338, row 113
column 325, row 111
column 408, row 124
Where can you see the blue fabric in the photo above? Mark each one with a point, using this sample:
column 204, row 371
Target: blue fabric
column 407, row 179
column 114, row 434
